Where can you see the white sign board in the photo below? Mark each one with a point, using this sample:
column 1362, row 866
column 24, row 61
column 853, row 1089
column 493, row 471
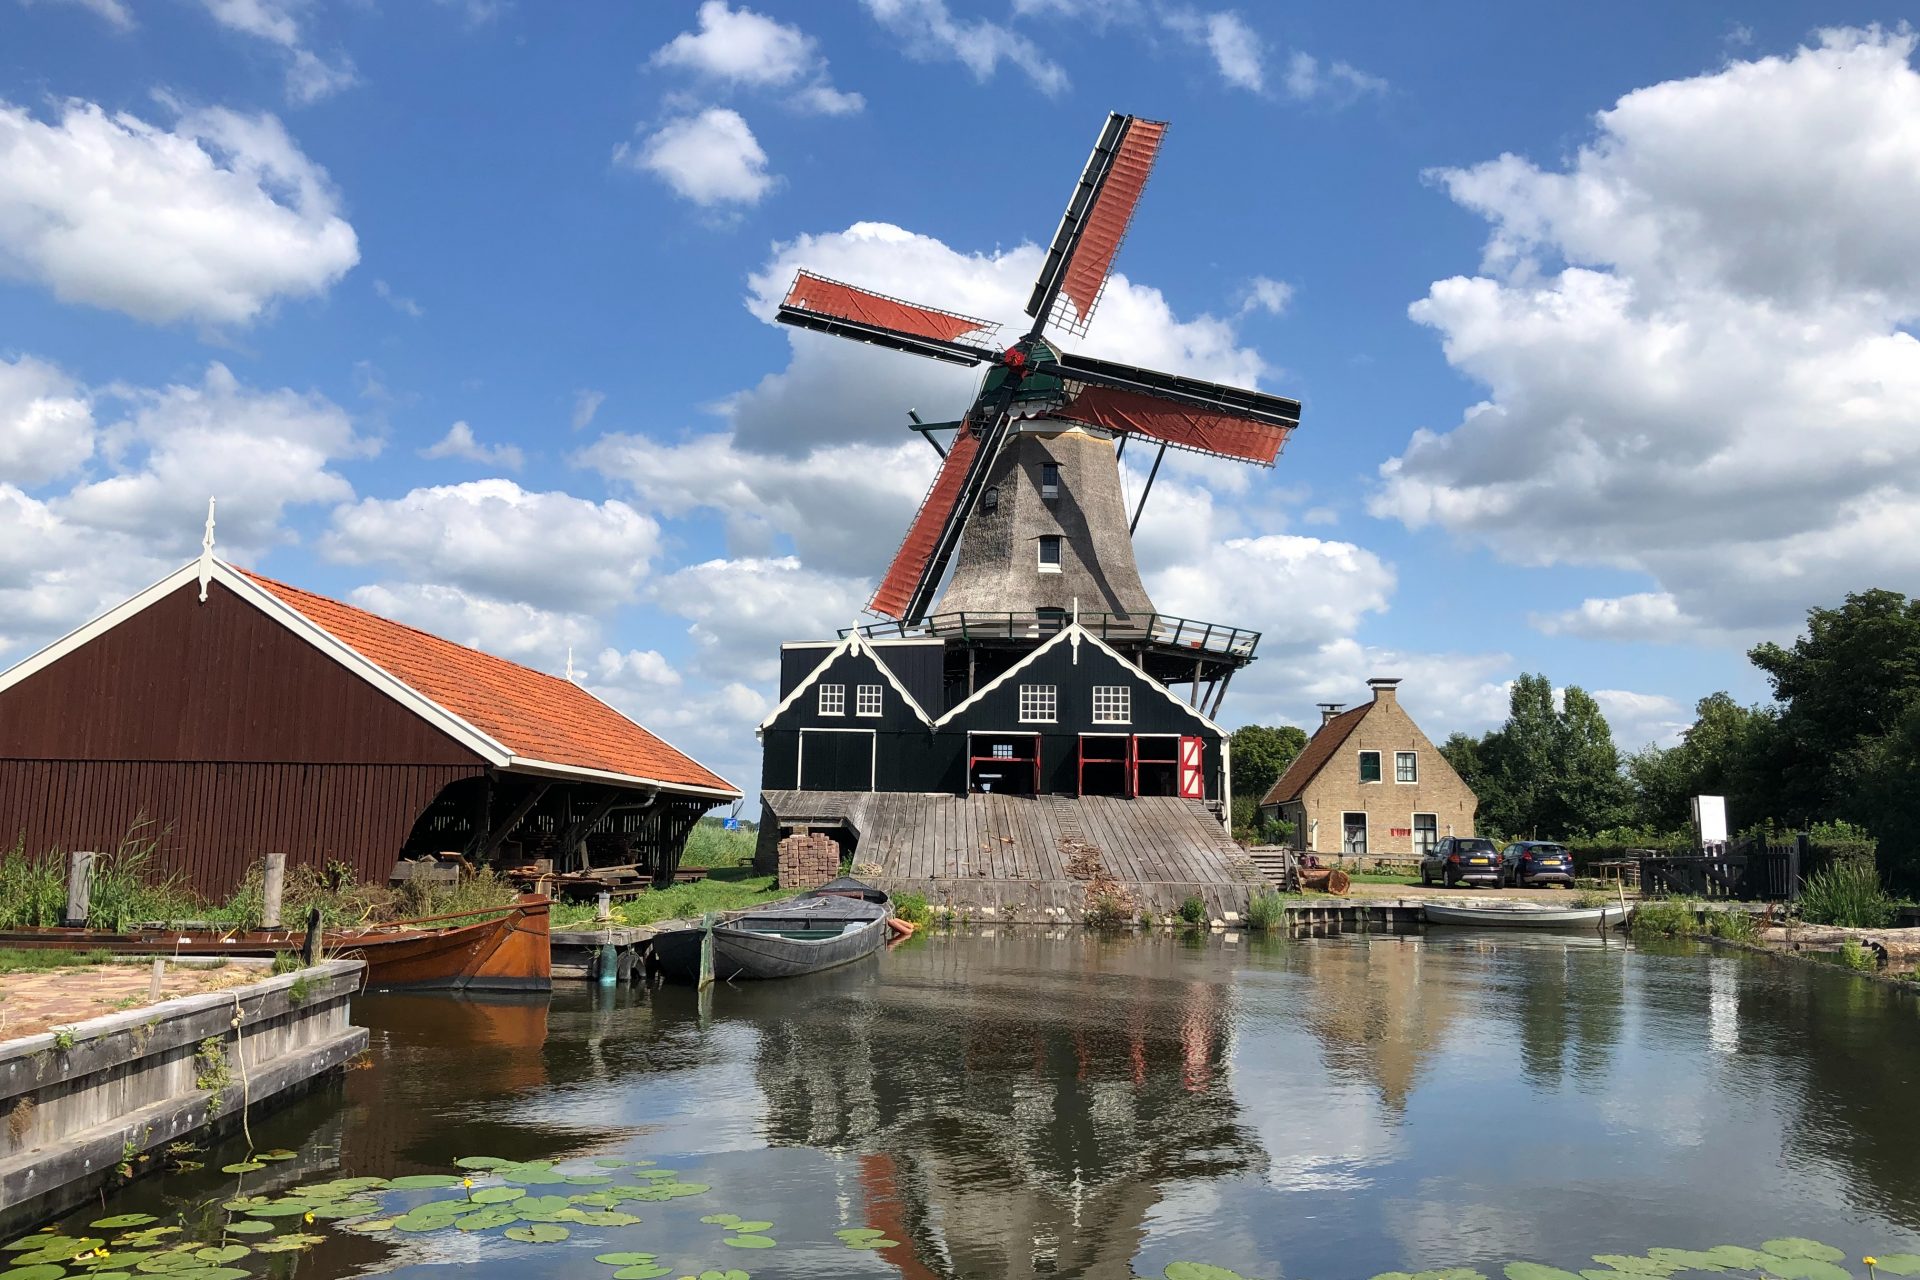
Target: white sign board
column 1710, row 818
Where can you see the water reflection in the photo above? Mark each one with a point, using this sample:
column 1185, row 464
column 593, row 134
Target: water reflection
column 1068, row 1105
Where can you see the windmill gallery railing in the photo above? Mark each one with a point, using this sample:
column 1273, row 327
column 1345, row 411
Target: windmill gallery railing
column 1157, row 629
column 1746, row 870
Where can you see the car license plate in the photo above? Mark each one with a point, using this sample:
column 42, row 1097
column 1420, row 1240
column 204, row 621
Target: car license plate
column 1478, row 862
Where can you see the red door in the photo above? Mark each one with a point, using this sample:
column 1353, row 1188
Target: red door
column 1193, row 782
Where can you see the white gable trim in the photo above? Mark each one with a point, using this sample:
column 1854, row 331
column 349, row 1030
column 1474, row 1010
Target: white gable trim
column 729, row 791
column 855, row 643
column 1076, row 634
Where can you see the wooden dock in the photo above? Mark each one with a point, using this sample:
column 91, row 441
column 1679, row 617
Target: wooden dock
column 1032, row 857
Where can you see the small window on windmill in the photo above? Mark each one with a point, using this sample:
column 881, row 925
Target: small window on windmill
column 1050, row 553
column 990, row 500
column 1049, row 479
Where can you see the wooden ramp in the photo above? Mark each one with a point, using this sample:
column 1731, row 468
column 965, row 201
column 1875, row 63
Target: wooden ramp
column 1032, row 857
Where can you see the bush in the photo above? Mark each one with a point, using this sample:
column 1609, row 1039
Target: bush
column 1194, row 909
column 1832, row 844
column 1266, row 911
column 913, row 908
column 1854, row 956
column 1106, row 911
column 1668, row 918
column 1736, row 926
column 1850, row 894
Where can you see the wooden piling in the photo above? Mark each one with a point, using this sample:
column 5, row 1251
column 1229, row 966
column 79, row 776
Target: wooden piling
column 273, row 887
column 79, row 887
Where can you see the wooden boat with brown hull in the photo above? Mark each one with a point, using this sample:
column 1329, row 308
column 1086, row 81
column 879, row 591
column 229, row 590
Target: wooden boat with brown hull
column 509, row 951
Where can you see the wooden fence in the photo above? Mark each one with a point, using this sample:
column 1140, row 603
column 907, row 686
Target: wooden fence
column 1747, row 871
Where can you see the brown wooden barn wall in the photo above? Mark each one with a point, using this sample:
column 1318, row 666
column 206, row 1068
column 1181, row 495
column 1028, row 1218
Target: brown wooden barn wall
column 234, row 736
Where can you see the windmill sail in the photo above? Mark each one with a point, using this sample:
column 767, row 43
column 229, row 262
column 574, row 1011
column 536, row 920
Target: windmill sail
column 829, row 306
column 1188, row 413
column 906, row 577
column 1095, row 223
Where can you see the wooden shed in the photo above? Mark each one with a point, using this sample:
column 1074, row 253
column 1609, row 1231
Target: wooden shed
column 233, row 715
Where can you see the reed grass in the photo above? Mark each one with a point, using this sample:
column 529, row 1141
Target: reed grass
column 1266, row 910
column 1850, row 894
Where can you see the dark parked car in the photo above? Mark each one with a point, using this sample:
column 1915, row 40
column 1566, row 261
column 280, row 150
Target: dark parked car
column 1461, row 860
column 1531, row 863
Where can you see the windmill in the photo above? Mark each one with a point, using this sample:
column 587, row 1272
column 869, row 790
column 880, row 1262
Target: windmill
column 1034, row 390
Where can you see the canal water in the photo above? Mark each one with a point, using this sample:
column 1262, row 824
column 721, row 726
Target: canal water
column 1066, row 1104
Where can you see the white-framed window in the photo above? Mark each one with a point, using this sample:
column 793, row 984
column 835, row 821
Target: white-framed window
column 1049, row 479
column 1039, row 703
column 1049, row 553
column 833, row 699
column 1405, row 767
column 866, row 700
column 1112, row 704
column 1003, row 751
column 1369, row 766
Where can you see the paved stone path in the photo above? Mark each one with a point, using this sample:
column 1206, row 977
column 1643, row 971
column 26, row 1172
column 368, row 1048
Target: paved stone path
column 41, row 999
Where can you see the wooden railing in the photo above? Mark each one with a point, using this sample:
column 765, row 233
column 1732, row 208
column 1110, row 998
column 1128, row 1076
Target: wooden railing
column 1745, row 871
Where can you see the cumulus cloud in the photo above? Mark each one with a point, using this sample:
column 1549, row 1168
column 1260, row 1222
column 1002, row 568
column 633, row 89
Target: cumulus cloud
column 540, row 638
column 1236, row 48
column 1695, row 339
column 211, row 221
column 742, row 610
column 493, row 538
column 711, row 158
column 46, row 422
column 309, row 76
column 929, row 31
column 1640, row 719
column 459, row 442
column 1268, row 295
column 741, row 48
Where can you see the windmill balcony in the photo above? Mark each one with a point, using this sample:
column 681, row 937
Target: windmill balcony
column 1161, row 633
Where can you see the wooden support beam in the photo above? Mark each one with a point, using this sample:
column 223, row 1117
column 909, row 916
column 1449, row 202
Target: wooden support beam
column 79, row 888
column 580, row 828
column 488, row 843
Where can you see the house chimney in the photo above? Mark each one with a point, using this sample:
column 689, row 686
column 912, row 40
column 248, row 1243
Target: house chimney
column 1383, row 687
column 1328, row 710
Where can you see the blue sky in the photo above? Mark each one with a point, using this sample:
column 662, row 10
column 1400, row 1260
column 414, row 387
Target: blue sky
column 462, row 308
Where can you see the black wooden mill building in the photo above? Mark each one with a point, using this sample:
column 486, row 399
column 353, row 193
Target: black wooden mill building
column 1041, row 727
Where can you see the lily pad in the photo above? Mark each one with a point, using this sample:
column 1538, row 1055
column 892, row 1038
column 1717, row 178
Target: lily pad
column 127, row 1220
column 1799, row 1247
column 497, row 1195
column 416, row 1181
column 1639, row 1266
column 542, row 1204
column 483, row 1162
column 725, row 1275
column 1537, row 1271
column 243, row 1166
column 845, row 1233
column 487, row 1220
column 642, row 1271
column 221, row 1254
column 1898, row 1264
column 280, row 1209
column 249, row 1227
column 216, row 1273
column 611, row 1162
column 1740, row 1256
column 1199, row 1271
column 1805, row 1269
column 654, row 1175
column 624, row 1259
column 590, row 1179
column 749, row 1228
column 37, row 1271
column 289, row 1243
column 872, row 1242
column 147, row 1235
column 278, row 1154
column 539, row 1233
column 376, row 1224
column 725, row 1220
column 534, row 1177
column 595, row 1199
column 346, row 1209
column 1687, row 1259
column 432, row 1222
column 750, row 1242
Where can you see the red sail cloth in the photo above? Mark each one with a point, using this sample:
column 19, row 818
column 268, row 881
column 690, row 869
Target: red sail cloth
column 1106, row 222
column 843, row 301
column 910, row 562
column 1207, row 430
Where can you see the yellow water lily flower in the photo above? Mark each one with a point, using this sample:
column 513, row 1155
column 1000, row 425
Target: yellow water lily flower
column 307, row 1217
column 1870, row 1261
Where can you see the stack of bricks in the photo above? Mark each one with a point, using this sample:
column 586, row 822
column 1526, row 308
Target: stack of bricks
column 808, row 861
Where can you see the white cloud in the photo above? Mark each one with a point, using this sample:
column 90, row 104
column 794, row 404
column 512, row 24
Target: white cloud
column 459, row 442
column 112, row 12
column 1695, row 349
column 1339, row 81
column 1646, row 615
column 1268, row 295
column 712, row 158
column 742, row 610
column 46, row 422
column 309, row 76
column 1237, row 49
column 1638, row 719
column 510, row 628
column 586, row 403
column 712, row 723
column 210, row 222
column 930, row 32
column 493, row 538
column 404, row 305
column 741, row 48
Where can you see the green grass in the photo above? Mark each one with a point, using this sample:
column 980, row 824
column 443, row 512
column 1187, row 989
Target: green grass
column 724, row 889
column 1382, row 877
column 1847, row 893
column 1266, row 911
column 711, row 845
column 1677, row 918
column 31, row 960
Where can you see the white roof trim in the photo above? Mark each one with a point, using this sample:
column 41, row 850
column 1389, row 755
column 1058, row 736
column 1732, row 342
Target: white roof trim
column 854, row 643
column 729, row 790
column 1079, row 634
column 523, row 764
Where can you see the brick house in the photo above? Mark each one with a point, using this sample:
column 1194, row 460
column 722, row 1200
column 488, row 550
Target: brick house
column 1369, row 782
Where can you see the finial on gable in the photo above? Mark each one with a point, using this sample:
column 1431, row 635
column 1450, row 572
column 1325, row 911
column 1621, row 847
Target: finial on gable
column 570, row 671
column 206, row 554
column 1074, row 640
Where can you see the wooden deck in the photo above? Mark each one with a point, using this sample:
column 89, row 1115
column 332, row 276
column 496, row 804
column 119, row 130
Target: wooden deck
column 1003, row 854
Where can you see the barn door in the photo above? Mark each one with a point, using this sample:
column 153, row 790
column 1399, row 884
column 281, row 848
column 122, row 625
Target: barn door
column 836, row 760
column 1193, row 779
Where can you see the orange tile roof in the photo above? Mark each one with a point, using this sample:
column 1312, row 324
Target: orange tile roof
column 1315, row 754
column 538, row 716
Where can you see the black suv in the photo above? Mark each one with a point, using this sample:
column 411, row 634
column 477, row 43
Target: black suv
column 1461, row 860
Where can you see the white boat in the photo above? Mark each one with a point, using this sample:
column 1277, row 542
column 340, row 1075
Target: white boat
column 1525, row 915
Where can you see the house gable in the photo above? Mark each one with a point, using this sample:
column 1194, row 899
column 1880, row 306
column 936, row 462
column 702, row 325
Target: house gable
column 849, row 664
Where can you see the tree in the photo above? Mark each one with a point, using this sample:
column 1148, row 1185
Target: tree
column 1551, row 770
column 1261, row 753
column 1587, row 791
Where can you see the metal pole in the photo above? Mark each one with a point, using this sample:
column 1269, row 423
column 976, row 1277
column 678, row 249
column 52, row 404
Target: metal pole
column 1149, row 489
